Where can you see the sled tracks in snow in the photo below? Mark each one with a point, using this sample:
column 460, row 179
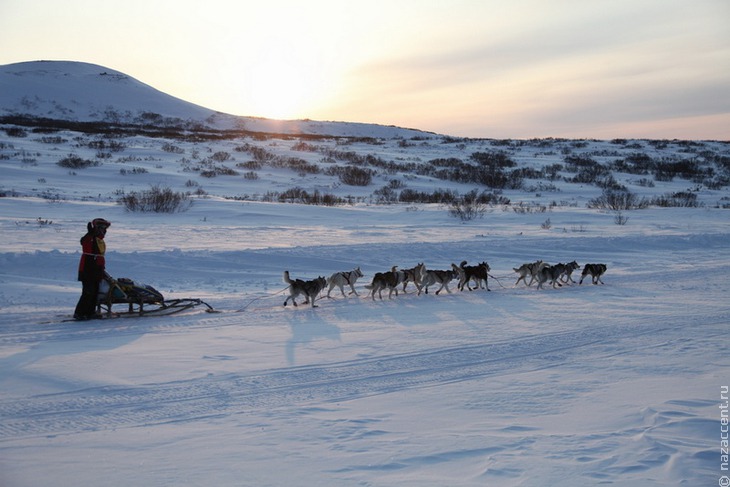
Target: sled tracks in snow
column 107, row 408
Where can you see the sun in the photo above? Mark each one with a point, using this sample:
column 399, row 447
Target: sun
column 283, row 87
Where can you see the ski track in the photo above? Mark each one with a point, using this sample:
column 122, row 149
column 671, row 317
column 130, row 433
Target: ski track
column 66, row 329
column 105, row 408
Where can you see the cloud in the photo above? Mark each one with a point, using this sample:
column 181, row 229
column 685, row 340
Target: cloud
column 591, row 68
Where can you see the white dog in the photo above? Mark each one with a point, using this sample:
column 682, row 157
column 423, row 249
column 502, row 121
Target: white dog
column 340, row 279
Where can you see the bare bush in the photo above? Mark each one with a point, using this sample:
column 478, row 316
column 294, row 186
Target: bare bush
column 523, row 208
column 620, row 219
column 56, row 140
column 355, row 176
column 221, row 156
column 386, row 195
column 437, row 196
column 107, row 146
column 72, row 161
column 134, row 170
column 302, row 146
column 680, row 199
column 214, row 171
column 172, row 149
column 252, row 165
column 299, row 195
column 16, row 132
column 617, row 200
column 156, row 200
column 468, row 207
column 301, row 166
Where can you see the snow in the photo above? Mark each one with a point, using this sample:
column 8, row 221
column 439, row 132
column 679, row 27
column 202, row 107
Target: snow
column 586, row 384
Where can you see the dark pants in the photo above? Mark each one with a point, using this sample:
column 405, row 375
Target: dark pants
column 86, row 307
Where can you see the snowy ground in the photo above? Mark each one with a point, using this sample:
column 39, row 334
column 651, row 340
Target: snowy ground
column 583, row 385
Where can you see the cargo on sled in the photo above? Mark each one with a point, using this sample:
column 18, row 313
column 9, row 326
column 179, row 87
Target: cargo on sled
column 141, row 299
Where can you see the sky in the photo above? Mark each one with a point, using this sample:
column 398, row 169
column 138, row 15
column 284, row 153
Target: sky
column 469, row 68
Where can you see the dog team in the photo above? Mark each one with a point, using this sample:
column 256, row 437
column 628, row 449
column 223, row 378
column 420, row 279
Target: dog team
column 422, row 278
column 557, row 274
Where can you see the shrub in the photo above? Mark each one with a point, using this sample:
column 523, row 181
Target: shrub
column 299, row 195
column 490, row 170
column 617, row 200
column 685, row 168
column 53, row 140
column 523, row 208
column 259, row 154
column 590, row 174
column 156, row 200
column 135, row 170
column 396, row 184
column 386, row 195
column 108, row 146
column 468, row 207
column 302, row 146
column 355, row 176
column 72, row 161
column 172, row 149
column 575, row 163
column 218, row 171
column 437, row 196
column 497, row 159
column 301, row 166
column 681, row 199
column 637, row 163
column 16, row 132
column 252, row 165
column 221, row 156
column 620, row 219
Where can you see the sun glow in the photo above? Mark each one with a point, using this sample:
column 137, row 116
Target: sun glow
column 284, row 88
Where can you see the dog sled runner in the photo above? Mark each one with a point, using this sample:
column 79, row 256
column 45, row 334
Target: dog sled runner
column 141, row 299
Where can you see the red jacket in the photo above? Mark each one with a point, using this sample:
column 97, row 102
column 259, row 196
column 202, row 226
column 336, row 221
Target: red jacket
column 92, row 263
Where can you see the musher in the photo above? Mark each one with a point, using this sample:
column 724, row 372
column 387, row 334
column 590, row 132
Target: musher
column 91, row 268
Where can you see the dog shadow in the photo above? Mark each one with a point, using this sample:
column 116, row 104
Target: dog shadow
column 306, row 327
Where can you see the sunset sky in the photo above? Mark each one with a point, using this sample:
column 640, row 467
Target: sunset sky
column 497, row 69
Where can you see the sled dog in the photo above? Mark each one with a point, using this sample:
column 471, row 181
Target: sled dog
column 529, row 269
column 340, row 279
column 413, row 275
column 569, row 268
column 550, row 273
column 442, row 278
column 310, row 289
column 477, row 273
column 595, row 270
column 382, row 280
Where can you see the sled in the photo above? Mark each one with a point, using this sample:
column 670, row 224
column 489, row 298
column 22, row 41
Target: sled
column 141, row 299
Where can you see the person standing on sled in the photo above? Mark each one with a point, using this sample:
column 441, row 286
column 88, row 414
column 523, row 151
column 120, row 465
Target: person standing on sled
column 91, row 268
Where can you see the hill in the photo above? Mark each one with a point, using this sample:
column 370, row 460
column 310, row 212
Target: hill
column 83, row 92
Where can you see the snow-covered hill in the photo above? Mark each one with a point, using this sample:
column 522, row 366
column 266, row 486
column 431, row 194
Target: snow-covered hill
column 69, row 90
